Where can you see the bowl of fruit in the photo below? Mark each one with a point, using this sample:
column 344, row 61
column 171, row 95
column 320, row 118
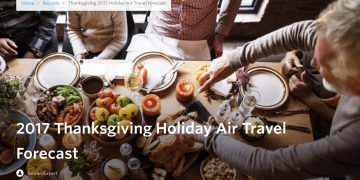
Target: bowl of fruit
column 116, row 113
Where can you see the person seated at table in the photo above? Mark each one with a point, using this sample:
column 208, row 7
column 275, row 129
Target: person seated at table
column 334, row 39
column 97, row 34
column 307, row 86
column 189, row 31
column 26, row 34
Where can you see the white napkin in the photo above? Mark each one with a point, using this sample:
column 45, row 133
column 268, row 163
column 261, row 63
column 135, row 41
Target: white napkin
column 114, row 70
column 177, row 49
column 222, row 88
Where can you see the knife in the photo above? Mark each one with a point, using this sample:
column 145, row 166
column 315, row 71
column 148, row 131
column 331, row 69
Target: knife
column 297, row 128
column 160, row 81
column 28, row 78
column 290, row 112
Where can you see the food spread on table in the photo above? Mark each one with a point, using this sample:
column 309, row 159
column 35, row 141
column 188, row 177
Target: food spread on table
column 161, row 154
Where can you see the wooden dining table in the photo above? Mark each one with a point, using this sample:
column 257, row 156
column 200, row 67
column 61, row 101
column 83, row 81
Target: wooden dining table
column 23, row 67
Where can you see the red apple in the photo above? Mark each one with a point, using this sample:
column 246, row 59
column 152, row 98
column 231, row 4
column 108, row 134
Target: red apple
column 104, row 94
column 92, row 113
column 114, row 108
column 105, row 103
column 116, row 95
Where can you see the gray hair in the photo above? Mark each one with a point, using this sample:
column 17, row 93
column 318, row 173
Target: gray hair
column 340, row 24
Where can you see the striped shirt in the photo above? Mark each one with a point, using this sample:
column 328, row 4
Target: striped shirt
column 17, row 25
column 193, row 19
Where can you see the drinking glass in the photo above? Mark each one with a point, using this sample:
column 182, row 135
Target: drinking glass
column 134, row 83
column 251, row 98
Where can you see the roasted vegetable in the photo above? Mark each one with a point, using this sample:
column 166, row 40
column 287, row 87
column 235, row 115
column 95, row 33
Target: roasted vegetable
column 59, row 100
column 70, row 95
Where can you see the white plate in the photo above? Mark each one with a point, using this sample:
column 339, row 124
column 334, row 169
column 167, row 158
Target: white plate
column 2, row 65
column 57, row 69
column 271, row 85
column 156, row 64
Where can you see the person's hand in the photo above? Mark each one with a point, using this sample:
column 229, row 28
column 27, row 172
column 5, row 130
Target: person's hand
column 7, row 47
column 29, row 55
column 291, row 63
column 300, row 88
column 217, row 44
column 219, row 69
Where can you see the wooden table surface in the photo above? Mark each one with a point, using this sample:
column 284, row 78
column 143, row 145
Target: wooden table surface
column 23, row 67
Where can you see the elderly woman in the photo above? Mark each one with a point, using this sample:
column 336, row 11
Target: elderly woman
column 97, row 34
column 334, row 37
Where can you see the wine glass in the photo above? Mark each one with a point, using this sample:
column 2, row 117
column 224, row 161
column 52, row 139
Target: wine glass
column 251, row 98
column 134, row 83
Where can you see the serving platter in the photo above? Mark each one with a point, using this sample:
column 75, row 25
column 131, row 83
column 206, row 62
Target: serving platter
column 156, row 64
column 273, row 88
column 15, row 116
column 57, row 69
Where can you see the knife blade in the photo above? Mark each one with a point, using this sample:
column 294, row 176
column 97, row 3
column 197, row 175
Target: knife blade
column 28, row 78
column 293, row 127
column 160, row 81
column 290, row 112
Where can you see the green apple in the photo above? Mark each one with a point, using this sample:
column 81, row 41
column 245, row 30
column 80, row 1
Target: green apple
column 113, row 120
column 133, row 108
column 97, row 123
column 122, row 100
column 102, row 114
column 125, row 113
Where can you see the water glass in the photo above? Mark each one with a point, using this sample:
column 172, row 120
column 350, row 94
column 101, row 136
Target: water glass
column 133, row 82
column 251, row 98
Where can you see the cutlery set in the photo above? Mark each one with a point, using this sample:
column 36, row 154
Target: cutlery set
column 160, row 81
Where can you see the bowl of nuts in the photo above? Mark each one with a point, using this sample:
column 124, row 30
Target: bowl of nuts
column 213, row 167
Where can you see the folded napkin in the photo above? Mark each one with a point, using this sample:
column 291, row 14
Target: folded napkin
column 174, row 48
column 109, row 70
column 222, row 88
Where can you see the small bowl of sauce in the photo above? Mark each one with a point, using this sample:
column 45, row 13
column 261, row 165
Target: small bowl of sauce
column 91, row 86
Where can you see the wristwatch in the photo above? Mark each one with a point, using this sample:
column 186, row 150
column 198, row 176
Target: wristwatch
column 37, row 53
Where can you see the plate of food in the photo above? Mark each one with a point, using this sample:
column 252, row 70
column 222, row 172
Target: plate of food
column 273, row 88
column 10, row 140
column 167, row 150
column 213, row 167
column 112, row 109
column 57, row 69
column 60, row 104
column 151, row 66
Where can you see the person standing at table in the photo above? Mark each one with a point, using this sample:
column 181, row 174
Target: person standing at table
column 97, row 34
column 195, row 20
column 189, row 31
column 26, row 34
column 334, row 37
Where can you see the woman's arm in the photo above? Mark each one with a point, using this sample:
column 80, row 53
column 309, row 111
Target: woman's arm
column 119, row 38
column 74, row 32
